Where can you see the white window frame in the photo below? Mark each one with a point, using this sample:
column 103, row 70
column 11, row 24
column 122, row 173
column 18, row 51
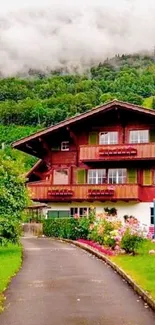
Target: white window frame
column 111, row 137
column 77, row 211
column 113, row 173
column 65, row 146
column 95, row 174
column 138, row 136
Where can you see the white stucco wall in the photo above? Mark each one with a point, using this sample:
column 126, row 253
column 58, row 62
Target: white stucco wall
column 139, row 210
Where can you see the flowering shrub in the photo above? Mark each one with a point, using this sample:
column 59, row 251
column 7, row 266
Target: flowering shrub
column 105, row 231
column 101, row 231
column 108, row 230
column 130, row 242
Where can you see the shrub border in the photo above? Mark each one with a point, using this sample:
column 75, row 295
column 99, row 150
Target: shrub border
column 147, row 298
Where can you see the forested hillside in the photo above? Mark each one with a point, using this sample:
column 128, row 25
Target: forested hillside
column 27, row 104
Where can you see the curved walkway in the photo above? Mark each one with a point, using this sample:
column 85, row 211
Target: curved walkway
column 59, row 284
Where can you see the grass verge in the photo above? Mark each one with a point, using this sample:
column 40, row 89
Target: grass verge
column 10, row 262
column 141, row 267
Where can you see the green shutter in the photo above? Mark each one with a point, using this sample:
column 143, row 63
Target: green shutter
column 81, row 176
column 152, row 135
column 93, row 138
column 147, row 177
column 132, row 176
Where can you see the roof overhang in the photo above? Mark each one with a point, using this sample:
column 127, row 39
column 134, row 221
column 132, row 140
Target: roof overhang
column 31, row 142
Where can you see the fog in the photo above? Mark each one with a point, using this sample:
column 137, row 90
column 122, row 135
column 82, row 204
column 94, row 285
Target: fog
column 73, row 34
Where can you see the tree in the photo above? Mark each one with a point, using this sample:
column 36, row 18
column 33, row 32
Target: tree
column 13, row 198
column 153, row 103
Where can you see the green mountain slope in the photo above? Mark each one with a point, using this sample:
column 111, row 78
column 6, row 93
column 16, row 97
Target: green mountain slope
column 39, row 101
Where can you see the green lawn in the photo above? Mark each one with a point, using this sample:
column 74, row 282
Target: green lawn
column 140, row 267
column 10, row 262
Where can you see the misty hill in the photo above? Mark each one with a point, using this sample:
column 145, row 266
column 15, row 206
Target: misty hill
column 27, row 104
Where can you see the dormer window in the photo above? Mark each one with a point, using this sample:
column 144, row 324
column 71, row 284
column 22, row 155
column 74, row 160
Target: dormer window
column 65, row 146
column 108, row 137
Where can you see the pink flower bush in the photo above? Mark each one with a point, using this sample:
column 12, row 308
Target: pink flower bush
column 108, row 234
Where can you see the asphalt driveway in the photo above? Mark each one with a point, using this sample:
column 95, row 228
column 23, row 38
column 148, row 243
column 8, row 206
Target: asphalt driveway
column 59, row 284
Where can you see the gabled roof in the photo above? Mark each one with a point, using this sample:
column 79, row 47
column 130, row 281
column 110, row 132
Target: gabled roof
column 77, row 118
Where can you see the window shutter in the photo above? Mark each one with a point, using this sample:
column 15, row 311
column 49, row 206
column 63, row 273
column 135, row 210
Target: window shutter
column 81, row 176
column 93, row 138
column 152, row 135
column 132, row 176
column 147, row 177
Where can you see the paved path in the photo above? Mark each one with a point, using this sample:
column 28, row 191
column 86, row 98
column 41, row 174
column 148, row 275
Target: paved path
column 60, row 284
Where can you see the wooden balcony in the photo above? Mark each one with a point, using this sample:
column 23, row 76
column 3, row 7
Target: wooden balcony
column 67, row 193
column 142, row 151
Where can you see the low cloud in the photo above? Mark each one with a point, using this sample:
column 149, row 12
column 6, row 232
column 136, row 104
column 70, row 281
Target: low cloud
column 65, row 34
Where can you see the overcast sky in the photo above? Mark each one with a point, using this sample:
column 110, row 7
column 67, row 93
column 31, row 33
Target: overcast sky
column 50, row 34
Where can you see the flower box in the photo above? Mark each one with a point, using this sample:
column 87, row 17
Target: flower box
column 118, row 152
column 61, row 192
column 100, row 193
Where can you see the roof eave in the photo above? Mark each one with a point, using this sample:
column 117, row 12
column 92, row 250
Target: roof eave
column 75, row 119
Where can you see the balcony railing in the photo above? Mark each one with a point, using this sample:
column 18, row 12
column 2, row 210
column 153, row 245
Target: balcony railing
column 117, row 152
column 59, row 193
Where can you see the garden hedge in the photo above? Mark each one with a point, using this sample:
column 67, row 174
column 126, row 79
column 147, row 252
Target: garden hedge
column 69, row 228
column 61, row 227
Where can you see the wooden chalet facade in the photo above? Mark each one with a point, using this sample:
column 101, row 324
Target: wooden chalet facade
column 104, row 157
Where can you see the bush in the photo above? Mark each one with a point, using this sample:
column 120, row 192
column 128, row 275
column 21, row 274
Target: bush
column 131, row 242
column 101, row 231
column 70, row 228
column 13, row 199
column 84, row 227
column 10, row 231
column 110, row 241
column 61, row 228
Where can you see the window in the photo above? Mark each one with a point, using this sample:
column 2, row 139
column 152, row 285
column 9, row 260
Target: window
column 65, row 146
column 99, row 176
column 60, row 177
column 96, row 176
column 139, row 136
column 108, row 137
column 152, row 215
column 81, row 211
column 117, row 176
column 57, row 213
